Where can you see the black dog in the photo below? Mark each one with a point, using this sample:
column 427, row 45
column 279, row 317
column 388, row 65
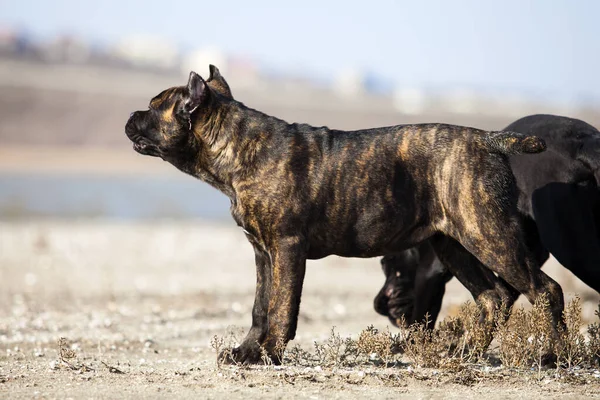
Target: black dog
column 559, row 203
column 301, row 192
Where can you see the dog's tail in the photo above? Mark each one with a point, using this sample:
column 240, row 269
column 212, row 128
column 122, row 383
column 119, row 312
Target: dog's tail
column 506, row 142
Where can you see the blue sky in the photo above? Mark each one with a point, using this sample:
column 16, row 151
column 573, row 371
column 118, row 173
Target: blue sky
column 547, row 46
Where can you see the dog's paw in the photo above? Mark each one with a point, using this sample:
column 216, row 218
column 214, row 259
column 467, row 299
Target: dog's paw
column 247, row 353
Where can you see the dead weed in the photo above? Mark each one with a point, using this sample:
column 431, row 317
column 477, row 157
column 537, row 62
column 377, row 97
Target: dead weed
column 524, row 341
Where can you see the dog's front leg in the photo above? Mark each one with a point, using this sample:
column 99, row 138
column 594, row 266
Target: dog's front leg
column 280, row 275
column 249, row 351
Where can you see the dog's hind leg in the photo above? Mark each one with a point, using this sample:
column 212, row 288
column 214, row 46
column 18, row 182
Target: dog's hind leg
column 504, row 252
column 489, row 292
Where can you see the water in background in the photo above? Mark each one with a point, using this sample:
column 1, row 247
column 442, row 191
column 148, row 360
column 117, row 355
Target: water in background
column 124, row 197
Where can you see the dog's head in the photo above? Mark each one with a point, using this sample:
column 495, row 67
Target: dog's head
column 396, row 298
column 169, row 127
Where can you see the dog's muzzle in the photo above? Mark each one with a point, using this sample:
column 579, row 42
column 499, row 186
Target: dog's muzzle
column 141, row 143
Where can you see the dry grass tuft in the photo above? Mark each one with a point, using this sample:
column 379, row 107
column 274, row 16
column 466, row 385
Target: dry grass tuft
column 336, row 352
column 68, row 357
column 571, row 350
column 218, row 344
column 455, row 341
column 374, row 344
column 223, row 346
column 472, row 338
column 296, row 355
column 422, row 346
column 593, row 353
column 525, row 340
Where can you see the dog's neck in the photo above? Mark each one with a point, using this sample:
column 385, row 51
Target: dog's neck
column 231, row 140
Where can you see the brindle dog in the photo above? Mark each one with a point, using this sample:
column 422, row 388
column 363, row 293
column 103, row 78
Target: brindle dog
column 301, row 192
column 559, row 203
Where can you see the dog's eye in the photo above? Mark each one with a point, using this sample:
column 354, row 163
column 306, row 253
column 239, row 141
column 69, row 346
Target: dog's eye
column 182, row 116
column 180, row 110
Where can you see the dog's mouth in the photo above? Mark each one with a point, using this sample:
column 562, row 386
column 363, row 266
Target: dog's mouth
column 141, row 144
column 146, row 148
column 395, row 298
column 140, row 147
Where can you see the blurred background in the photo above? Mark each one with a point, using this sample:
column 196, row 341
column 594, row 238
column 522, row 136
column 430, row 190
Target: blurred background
column 74, row 196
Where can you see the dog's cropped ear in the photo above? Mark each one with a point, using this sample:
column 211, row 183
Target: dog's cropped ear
column 197, row 92
column 217, row 83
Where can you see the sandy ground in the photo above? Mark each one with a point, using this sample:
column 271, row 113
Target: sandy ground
column 146, row 298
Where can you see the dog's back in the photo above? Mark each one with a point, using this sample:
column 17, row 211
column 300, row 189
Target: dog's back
column 559, row 189
column 385, row 182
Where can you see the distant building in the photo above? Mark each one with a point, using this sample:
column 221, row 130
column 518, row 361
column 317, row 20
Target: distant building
column 65, row 49
column 350, row 82
column 410, row 100
column 461, row 101
column 14, row 41
column 376, row 84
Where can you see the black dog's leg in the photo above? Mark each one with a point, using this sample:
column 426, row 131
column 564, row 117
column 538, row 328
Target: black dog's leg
column 400, row 297
column 533, row 241
column 430, row 286
column 277, row 302
column 566, row 217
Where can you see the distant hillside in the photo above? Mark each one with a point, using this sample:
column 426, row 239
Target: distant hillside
column 42, row 104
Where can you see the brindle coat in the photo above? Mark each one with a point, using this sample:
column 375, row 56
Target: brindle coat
column 301, row 192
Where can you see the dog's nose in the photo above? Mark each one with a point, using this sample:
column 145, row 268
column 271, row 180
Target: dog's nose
column 130, row 125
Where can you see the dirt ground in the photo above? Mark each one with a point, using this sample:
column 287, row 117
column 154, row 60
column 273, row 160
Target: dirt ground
column 138, row 304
